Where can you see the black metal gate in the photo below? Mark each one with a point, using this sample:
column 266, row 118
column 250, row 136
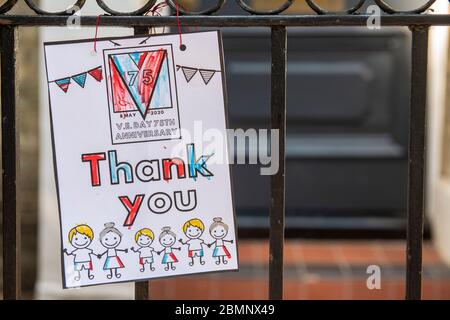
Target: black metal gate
column 417, row 20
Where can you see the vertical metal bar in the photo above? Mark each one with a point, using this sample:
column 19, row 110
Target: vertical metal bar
column 141, row 289
column 417, row 132
column 10, row 143
column 140, row 31
column 277, row 181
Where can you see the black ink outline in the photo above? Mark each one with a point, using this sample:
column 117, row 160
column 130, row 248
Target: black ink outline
column 170, row 168
column 181, row 199
column 155, row 194
column 137, row 210
column 110, row 169
column 206, row 157
column 98, row 167
column 151, row 161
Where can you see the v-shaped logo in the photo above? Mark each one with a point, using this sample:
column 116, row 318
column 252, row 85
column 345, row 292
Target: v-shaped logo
column 134, row 77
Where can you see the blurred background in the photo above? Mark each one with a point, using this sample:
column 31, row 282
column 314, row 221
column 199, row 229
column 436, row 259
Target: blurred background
column 348, row 105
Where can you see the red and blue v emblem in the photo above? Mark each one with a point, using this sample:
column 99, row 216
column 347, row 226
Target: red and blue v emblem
column 140, row 81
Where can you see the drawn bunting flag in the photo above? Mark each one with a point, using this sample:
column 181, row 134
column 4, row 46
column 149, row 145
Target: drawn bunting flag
column 190, row 72
column 207, row 75
column 96, row 73
column 139, row 195
column 63, row 84
column 79, row 79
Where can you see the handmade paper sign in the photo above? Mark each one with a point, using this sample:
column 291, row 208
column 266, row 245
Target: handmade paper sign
column 141, row 194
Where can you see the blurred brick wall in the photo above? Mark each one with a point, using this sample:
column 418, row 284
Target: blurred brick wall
column 314, row 270
column 27, row 57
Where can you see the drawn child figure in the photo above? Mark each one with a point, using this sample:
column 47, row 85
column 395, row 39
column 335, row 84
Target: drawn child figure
column 219, row 231
column 193, row 229
column 167, row 239
column 110, row 238
column 144, row 239
column 80, row 237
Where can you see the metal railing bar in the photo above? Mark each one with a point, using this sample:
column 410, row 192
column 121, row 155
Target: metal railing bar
column 416, row 169
column 277, row 181
column 142, row 288
column 218, row 4
column 10, row 143
column 419, row 25
column 232, row 21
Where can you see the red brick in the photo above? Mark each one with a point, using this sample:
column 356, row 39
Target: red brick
column 386, row 292
column 359, row 253
column 318, row 253
column 395, row 252
column 253, row 252
column 430, row 255
column 293, row 253
column 329, row 290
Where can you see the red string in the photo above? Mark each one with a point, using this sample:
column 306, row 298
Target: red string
column 96, row 33
column 161, row 5
column 155, row 11
column 180, row 6
column 179, row 27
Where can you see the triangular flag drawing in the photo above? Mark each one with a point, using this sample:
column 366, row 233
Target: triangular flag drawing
column 80, row 79
column 63, row 83
column 121, row 95
column 207, row 75
column 189, row 73
column 135, row 78
column 96, row 73
column 136, row 56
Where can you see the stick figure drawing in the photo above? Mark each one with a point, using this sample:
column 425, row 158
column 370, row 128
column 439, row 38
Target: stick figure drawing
column 110, row 238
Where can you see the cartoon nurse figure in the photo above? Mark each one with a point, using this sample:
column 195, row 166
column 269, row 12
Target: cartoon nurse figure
column 219, row 231
column 110, row 238
column 144, row 239
column 167, row 239
column 80, row 237
column 193, row 229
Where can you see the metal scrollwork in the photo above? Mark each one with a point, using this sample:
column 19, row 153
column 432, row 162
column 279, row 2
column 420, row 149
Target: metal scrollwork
column 79, row 4
column 389, row 9
column 384, row 5
column 249, row 9
column 320, row 10
column 7, row 6
column 137, row 12
column 173, row 5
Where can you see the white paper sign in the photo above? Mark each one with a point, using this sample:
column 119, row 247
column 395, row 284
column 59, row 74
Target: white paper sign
column 141, row 195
